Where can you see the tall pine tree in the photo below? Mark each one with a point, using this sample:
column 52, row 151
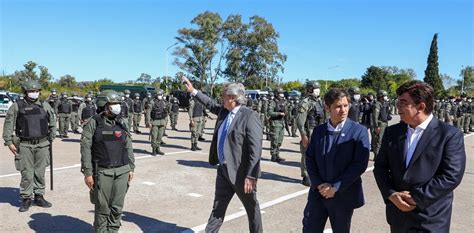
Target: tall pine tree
column 432, row 76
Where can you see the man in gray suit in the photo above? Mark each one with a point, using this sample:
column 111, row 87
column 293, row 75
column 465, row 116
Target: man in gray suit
column 236, row 149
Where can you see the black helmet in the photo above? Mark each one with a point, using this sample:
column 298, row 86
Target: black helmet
column 31, row 85
column 126, row 91
column 381, row 93
column 137, row 95
column 354, row 90
column 159, row 92
column 108, row 97
column 279, row 90
column 312, row 85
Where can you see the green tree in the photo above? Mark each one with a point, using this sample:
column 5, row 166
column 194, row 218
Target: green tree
column 144, row 78
column 29, row 72
column 45, row 77
column 67, row 81
column 467, row 75
column 374, row 78
column 292, row 85
column 432, row 71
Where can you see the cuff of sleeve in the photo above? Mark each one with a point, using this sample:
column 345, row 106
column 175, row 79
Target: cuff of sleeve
column 194, row 92
column 253, row 178
column 336, row 185
column 87, row 172
column 7, row 143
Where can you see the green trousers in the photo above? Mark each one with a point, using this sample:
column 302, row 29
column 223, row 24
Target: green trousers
column 74, row 121
column 304, row 171
column 196, row 129
column 174, row 119
column 277, row 133
column 147, row 114
column 156, row 134
column 31, row 161
column 377, row 138
column 64, row 124
column 112, row 187
column 137, row 117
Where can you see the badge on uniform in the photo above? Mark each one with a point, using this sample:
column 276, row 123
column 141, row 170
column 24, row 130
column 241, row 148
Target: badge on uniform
column 118, row 134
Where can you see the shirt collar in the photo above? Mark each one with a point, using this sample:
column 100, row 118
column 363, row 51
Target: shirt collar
column 423, row 125
column 236, row 109
column 338, row 127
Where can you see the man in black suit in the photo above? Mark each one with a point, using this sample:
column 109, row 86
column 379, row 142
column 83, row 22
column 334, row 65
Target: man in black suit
column 236, row 149
column 420, row 163
column 336, row 158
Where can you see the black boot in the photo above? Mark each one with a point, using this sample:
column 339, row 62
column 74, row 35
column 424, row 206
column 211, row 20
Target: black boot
column 279, row 159
column 305, row 181
column 162, row 143
column 25, row 205
column 193, row 147
column 196, row 146
column 201, row 139
column 158, row 151
column 40, row 201
column 153, row 151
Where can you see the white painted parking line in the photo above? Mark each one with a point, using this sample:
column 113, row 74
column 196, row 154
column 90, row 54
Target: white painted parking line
column 148, row 183
column 194, row 195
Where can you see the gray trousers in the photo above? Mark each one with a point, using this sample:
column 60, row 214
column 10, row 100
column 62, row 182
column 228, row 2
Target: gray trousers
column 225, row 190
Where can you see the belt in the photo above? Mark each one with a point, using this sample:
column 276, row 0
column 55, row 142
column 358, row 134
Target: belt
column 33, row 141
column 108, row 167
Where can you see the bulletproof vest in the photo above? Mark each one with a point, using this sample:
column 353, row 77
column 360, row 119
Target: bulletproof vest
column 294, row 110
column 130, row 104
column 137, row 106
column 88, row 111
column 32, row 121
column 198, row 109
column 124, row 109
column 367, row 113
column 384, row 111
column 109, row 144
column 146, row 102
column 279, row 107
column 175, row 106
column 315, row 113
column 75, row 106
column 158, row 110
column 52, row 100
column 354, row 111
column 64, row 107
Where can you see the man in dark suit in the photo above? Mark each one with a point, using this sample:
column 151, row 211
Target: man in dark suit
column 336, row 158
column 420, row 163
column 236, row 149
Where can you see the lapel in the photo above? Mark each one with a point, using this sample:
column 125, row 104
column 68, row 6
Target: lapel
column 401, row 140
column 235, row 118
column 222, row 115
column 425, row 139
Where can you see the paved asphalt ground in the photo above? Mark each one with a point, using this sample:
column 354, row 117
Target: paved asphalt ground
column 174, row 192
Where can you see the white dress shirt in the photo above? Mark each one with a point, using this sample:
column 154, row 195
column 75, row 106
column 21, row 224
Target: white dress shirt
column 413, row 137
column 221, row 127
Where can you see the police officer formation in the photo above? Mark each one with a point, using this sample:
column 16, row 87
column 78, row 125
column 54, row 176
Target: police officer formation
column 109, row 118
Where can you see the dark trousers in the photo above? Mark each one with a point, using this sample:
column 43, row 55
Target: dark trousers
column 319, row 209
column 225, row 190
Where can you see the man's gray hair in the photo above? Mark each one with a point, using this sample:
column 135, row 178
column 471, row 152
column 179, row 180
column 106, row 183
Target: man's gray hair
column 237, row 90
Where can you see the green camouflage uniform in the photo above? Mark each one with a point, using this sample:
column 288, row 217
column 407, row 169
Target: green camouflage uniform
column 147, row 106
column 174, row 112
column 380, row 117
column 196, row 115
column 277, row 122
column 64, row 117
column 158, row 124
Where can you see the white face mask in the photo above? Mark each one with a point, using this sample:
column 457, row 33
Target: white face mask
column 469, row 100
column 160, row 97
column 137, row 98
column 452, row 100
column 123, row 98
column 89, row 99
column 33, row 95
column 115, row 109
column 54, row 93
column 357, row 97
column 64, row 96
column 316, row 92
column 127, row 95
column 281, row 95
column 385, row 98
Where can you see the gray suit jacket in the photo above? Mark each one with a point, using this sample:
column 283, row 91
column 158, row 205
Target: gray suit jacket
column 243, row 146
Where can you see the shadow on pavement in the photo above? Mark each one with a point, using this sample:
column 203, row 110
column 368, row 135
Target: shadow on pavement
column 283, row 150
column 44, row 222
column 148, row 224
column 192, row 163
column 179, row 138
column 276, row 177
column 10, row 195
column 174, row 146
column 286, row 163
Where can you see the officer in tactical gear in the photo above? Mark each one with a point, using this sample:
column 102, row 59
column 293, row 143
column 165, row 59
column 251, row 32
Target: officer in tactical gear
column 53, row 99
column 380, row 117
column 271, row 97
column 196, row 115
column 276, row 112
column 438, row 109
column 159, row 111
column 147, row 106
column 64, row 109
column 310, row 114
column 466, row 108
column 137, row 113
column 355, row 105
column 128, row 99
column 174, row 112
column 106, row 144
column 367, row 103
column 28, row 131
column 87, row 109
column 76, row 102
column 450, row 111
column 294, row 114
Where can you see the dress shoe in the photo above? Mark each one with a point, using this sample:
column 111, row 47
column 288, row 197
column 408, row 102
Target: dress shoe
column 25, row 205
column 306, row 182
column 40, row 201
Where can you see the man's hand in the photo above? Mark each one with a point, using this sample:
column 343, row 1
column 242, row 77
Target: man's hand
column 130, row 177
column 89, row 182
column 12, row 148
column 249, row 185
column 408, row 198
column 191, row 123
column 188, row 84
column 398, row 199
column 326, row 190
column 304, row 141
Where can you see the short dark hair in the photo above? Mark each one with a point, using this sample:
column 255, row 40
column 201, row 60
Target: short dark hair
column 335, row 94
column 420, row 92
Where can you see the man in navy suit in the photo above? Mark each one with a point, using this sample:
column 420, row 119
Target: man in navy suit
column 236, row 149
column 336, row 158
column 420, row 163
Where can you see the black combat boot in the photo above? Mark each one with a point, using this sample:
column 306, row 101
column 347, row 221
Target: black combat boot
column 158, row 151
column 193, row 147
column 153, row 151
column 305, row 181
column 201, row 139
column 25, row 205
column 40, row 201
column 196, row 146
column 162, row 143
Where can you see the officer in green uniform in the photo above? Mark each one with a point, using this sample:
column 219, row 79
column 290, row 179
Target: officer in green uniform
column 380, row 117
column 28, row 130
column 64, row 109
column 174, row 112
column 438, row 109
column 355, row 105
column 263, row 106
column 129, row 102
column 87, row 109
column 450, row 109
column 106, row 144
column 76, row 102
column 196, row 114
column 147, row 106
column 53, row 99
column 277, row 112
column 466, row 109
column 294, row 114
column 203, row 126
column 310, row 114
column 137, row 113
column 271, row 97
column 471, row 114
column 159, row 111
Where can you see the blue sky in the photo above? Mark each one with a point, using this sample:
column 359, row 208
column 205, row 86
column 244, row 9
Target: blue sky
column 122, row 39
